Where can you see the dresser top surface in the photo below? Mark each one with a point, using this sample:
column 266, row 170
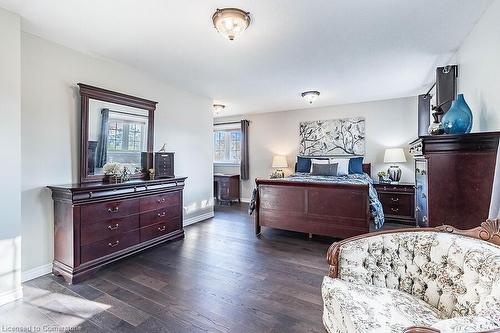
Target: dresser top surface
column 130, row 183
column 225, row 175
column 378, row 184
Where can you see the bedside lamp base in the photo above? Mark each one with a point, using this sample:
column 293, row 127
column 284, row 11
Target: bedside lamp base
column 394, row 173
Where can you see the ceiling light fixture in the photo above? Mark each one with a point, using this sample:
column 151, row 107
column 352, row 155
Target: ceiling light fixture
column 310, row 96
column 218, row 108
column 230, row 22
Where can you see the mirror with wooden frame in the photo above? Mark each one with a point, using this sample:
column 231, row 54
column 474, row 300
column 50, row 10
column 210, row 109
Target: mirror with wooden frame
column 115, row 128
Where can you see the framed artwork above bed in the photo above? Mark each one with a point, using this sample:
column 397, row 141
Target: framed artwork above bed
column 339, row 137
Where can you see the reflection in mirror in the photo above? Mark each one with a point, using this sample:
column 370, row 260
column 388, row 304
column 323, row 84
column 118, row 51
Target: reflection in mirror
column 116, row 133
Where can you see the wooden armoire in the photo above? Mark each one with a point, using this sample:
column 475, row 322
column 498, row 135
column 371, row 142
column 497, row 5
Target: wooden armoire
column 454, row 178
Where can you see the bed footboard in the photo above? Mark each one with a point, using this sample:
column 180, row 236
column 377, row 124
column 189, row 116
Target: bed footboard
column 335, row 210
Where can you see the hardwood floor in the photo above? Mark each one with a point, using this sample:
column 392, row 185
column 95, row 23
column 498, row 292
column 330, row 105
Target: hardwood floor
column 221, row 278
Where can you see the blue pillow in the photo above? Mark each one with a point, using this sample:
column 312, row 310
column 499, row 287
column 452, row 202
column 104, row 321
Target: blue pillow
column 356, row 165
column 303, row 164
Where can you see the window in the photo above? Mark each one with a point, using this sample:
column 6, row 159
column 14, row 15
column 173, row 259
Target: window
column 125, row 135
column 227, row 145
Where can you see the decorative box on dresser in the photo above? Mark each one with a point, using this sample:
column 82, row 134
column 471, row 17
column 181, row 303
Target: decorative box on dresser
column 454, row 178
column 398, row 201
column 96, row 224
column 164, row 165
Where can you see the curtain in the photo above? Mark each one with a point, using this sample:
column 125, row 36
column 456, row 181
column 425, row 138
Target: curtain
column 102, row 144
column 244, row 167
column 495, row 197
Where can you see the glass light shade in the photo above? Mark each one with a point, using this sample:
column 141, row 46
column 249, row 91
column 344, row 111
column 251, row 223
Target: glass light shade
column 230, row 22
column 218, row 108
column 279, row 161
column 310, row 96
column 394, row 155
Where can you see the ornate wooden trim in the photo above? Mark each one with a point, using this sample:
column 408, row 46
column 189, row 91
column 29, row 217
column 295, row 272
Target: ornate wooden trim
column 420, row 329
column 489, row 231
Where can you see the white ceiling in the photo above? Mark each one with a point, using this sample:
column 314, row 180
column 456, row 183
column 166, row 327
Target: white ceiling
column 349, row 50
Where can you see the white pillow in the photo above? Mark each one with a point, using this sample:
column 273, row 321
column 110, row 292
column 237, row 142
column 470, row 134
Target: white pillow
column 343, row 166
column 317, row 161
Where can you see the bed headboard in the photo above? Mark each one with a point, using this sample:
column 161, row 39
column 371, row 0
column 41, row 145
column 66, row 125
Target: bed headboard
column 367, row 168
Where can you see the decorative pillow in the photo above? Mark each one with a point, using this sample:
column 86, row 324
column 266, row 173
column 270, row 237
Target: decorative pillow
column 343, row 166
column 324, row 169
column 356, row 165
column 319, row 161
column 303, row 164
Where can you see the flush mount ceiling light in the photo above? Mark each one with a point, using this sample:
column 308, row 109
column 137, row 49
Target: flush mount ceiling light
column 310, row 96
column 218, row 108
column 230, row 22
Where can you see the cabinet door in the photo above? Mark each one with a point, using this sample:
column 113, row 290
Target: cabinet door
column 421, row 193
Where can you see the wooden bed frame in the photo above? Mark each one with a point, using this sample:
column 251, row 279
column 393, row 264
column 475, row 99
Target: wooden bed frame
column 335, row 210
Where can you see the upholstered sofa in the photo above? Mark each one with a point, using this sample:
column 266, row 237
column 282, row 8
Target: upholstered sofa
column 415, row 280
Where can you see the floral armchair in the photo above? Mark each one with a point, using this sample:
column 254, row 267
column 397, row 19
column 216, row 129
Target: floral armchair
column 415, row 281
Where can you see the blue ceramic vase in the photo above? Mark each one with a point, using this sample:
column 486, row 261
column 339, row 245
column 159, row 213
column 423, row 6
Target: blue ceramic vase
column 458, row 119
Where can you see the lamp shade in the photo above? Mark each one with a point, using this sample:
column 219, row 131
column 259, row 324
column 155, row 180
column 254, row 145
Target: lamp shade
column 394, row 155
column 279, row 161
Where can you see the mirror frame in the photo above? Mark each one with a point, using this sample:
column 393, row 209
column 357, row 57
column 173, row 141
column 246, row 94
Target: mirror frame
column 90, row 92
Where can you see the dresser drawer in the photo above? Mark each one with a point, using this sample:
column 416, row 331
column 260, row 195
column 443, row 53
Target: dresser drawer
column 160, row 229
column 96, row 231
column 159, row 201
column 160, row 215
column 109, row 210
column 397, row 204
column 109, row 245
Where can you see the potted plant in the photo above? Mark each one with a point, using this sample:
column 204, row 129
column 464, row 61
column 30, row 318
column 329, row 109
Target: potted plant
column 117, row 172
column 382, row 176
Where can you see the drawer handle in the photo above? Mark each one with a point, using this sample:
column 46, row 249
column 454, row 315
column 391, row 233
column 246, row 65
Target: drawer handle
column 114, row 244
column 161, row 200
column 162, row 228
column 113, row 210
column 162, row 214
column 113, row 227
column 394, row 199
column 395, row 210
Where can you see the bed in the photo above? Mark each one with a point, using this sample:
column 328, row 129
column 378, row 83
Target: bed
column 339, row 207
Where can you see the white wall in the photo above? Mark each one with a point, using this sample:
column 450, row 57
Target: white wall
column 479, row 70
column 389, row 123
column 10, row 167
column 51, row 127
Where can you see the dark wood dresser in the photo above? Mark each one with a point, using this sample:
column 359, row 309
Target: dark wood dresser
column 97, row 223
column 398, row 201
column 454, row 178
column 226, row 187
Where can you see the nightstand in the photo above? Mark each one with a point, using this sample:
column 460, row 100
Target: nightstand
column 398, row 201
column 226, row 188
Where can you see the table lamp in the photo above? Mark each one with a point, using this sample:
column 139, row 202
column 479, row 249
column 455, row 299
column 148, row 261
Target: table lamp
column 279, row 162
column 394, row 155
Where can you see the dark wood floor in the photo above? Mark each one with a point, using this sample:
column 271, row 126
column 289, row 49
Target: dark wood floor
column 221, row 278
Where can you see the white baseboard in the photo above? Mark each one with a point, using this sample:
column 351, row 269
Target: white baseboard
column 198, row 218
column 245, row 200
column 11, row 296
column 33, row 273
